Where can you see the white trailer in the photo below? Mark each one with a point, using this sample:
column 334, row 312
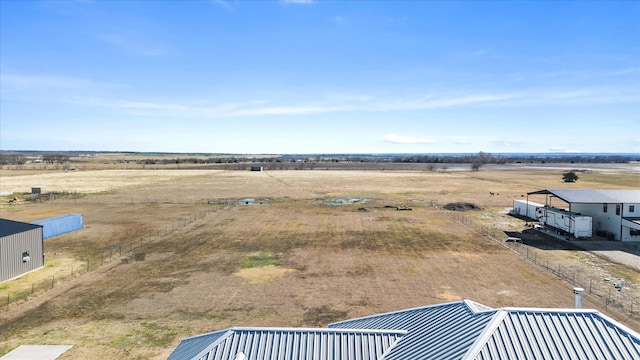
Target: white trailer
column 526, row 208
column 576, row 225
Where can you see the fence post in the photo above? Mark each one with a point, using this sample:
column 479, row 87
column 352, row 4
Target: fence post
column 53, row 279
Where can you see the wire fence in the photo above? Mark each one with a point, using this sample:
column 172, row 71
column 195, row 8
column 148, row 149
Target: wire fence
column 615, row 293
column 618, row 293
column 93, row 258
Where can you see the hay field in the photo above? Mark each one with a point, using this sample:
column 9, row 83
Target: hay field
column 197, row 255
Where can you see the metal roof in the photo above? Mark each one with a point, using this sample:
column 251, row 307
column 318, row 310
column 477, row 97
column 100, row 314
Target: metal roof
column 443, row 331
column 288, row 343
column 594, row 196
column 10, row 227
column 555, row 334
column 456, row 330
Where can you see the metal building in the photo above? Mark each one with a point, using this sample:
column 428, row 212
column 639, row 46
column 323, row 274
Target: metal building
column 21, row 248
column 60, row 225
column 615, row 213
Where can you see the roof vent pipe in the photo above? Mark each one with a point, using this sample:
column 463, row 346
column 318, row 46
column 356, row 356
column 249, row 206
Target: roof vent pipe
column 577, row 297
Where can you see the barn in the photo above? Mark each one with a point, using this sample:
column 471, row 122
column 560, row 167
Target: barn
column 615, row 213
column 21, row 248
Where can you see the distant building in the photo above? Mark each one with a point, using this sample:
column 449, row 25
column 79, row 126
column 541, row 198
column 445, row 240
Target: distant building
column 257, row 168
column 615, row 213
column 456, row 330
column 21, row 248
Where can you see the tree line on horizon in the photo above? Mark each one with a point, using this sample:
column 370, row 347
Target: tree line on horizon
column 476, row 160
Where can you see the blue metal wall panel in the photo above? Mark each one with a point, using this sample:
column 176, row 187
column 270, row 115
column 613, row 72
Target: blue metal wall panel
column 60, row 225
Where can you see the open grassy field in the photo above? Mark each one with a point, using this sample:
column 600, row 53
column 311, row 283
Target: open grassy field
column 174, row 253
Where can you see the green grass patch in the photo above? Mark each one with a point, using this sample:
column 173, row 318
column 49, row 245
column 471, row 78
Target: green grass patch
column 51, row 263
column 260, row 260
column 150, row 335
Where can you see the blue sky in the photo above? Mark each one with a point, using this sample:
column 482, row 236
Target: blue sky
column 320, row 76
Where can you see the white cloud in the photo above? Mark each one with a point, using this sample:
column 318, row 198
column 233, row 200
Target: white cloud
column 560, row 149
column 399, row 139
column 502, row 143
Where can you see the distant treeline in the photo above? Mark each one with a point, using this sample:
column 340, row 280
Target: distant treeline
column 486, row 158
column 477, row 160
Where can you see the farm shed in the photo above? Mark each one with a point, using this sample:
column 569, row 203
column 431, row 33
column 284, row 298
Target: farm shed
column 615, row 213
column 60, row 225
column 455, row 330
column 21, row 248
column 257, row 168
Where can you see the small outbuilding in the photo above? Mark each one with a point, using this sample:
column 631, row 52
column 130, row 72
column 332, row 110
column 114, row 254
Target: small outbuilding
column 60, row 225
column 21, row 248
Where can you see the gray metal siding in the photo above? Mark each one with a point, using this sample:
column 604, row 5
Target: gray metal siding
column 11, row 249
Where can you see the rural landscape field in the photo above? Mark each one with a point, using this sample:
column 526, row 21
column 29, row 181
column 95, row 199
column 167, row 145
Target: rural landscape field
column 171, row 252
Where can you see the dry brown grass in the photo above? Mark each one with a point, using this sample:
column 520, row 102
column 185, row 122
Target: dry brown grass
column 177, row 278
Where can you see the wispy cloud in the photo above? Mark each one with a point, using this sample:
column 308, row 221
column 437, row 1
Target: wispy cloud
column 223, row 3
column 297, row 1
column 264, row 108
column 400, row 139
column 128, row 45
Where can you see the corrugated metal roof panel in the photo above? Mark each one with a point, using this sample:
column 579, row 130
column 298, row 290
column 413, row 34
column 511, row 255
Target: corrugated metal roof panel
column 598, row 196
column 444, row 331
column 556, row 334
column 10, row 227
column 191, row 347
column 457, row 330
column 287, row 343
